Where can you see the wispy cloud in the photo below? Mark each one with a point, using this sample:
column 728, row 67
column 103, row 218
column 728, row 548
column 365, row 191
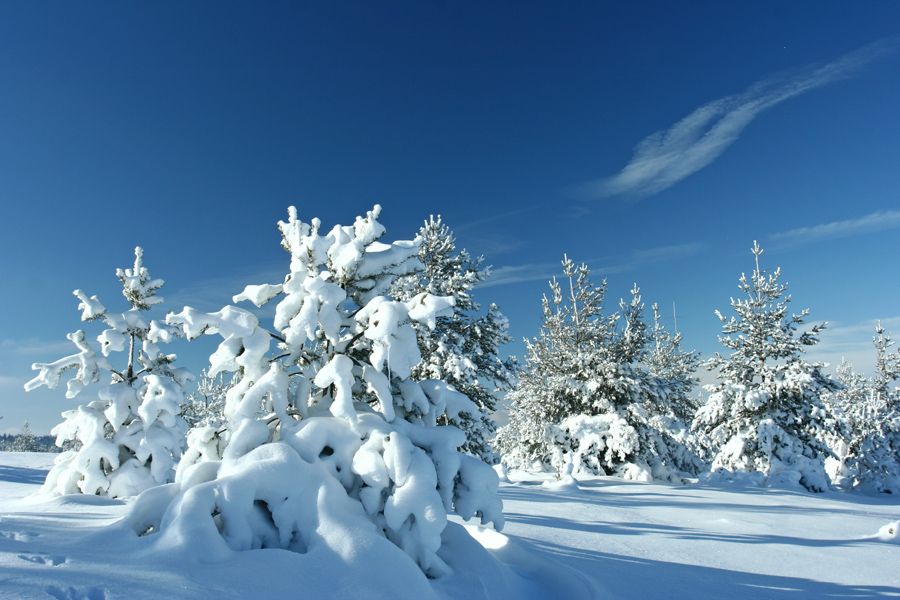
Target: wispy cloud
column 519, row 273
column 666, row 157
column 11, row 382
column 497, row 245
column 852, row 342
column 212, row 294
column 495, row 218
column 665, row 253
column 35, row 347
column 877, row 221
column 546, row 271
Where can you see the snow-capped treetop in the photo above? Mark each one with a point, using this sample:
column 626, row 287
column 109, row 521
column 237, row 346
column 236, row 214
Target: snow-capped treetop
column 669, row 362
column 446, row 272
column 124, row 328
column 764, row 331
column 137, row 287
column 350, row 254
column 887, row 365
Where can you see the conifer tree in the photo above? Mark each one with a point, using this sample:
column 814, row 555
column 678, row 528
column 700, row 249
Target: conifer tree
column 765, row 414
column 327, row 437
column 462, row 349
column 205, row 406
column 26, row 441
column 868, row 447
column 587, row 397
column 131, row 437
column 677, row 367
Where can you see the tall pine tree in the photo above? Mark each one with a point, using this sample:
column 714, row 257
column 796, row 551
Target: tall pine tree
column 463, row 348
column 765, row 414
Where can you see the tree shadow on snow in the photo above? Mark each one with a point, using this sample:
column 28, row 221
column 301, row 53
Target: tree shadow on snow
column 649, row 499
column 681, row 533
column 22, row 475
column 639, row 578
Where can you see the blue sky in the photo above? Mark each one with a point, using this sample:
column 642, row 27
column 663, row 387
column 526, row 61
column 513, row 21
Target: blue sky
column 654, row 141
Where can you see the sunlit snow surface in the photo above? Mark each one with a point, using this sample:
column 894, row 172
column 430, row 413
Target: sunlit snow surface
column 605, row 538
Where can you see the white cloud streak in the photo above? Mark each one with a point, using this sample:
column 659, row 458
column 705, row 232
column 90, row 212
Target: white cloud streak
column 35, row 347
column 519, row 273
column 666, row 157
column 546, row 271
column 877, row 221
column 11, row 382
column 851, row 342
column 213, row 294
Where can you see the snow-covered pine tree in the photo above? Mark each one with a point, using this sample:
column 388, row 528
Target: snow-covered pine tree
column 765, row 414
column 461, row 349
column 131, row 436
column 586, row 397
column 868, row 452
column 677, row 367
column 205, row 406
column 26, row 441
column 887, row 364
column 327, row 439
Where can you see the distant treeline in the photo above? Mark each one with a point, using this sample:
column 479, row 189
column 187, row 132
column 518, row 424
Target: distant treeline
column 39, row 443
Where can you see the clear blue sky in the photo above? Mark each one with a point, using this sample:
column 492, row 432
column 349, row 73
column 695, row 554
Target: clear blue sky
column 653, row 140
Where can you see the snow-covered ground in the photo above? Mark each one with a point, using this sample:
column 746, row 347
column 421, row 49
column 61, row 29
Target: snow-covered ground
column 606, row 538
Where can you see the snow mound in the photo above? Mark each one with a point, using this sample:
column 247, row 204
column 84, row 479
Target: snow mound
column 566, row 483
column 890, row 533
column 271, row 499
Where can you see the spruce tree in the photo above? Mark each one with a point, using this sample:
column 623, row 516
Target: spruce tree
column 587, row 397
column 26, row 441
column 461, row 349
column 868, row 447
column 131, row 438
column 677, row 367
column 765, row 414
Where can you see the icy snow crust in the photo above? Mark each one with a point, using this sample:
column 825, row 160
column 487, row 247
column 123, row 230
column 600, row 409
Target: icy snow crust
column 611, row 539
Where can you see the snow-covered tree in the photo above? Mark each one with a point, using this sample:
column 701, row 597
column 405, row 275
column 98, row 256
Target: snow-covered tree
column 26, row 441
column 327, row 439
column 868, row 448
column 887, row 364
column 587, row 398
column 667, row 361
column 205, row 406
column 765, row 414
column 131, row 436
column 461, row 349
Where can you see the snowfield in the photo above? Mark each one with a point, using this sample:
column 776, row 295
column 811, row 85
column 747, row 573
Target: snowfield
column 601, row 538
